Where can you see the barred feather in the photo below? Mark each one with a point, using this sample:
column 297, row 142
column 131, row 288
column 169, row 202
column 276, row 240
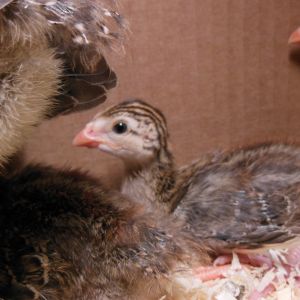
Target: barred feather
column 250, row 198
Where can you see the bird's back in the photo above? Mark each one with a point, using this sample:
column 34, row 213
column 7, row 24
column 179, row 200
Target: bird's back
column 45, row 233
column 248, row 198
column 62, row 236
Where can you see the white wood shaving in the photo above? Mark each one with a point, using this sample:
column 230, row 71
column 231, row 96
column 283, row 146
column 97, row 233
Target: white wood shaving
column 241, row 280
column 285, row 294
column 266, row 280
column 225, row 296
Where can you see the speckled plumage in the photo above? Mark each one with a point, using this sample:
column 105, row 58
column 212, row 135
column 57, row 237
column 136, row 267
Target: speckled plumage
column 249, row 198
column 64, row 237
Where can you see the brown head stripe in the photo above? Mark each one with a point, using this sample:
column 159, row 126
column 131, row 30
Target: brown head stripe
column 140, row 108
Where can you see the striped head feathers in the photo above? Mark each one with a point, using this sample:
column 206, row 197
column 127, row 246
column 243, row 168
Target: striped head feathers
column 132, row 130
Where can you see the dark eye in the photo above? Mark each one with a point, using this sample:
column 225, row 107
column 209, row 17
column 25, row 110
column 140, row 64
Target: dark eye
column 120, row 127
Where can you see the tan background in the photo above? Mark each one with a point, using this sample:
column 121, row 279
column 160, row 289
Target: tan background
column 219, row 70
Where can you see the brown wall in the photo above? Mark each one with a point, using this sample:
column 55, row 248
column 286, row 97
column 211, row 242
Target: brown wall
column 219, row 70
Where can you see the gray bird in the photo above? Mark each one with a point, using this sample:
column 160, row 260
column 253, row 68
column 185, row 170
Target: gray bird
column 246, row 199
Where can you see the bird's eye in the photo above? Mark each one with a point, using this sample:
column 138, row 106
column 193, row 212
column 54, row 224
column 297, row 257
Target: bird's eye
column 120, row 127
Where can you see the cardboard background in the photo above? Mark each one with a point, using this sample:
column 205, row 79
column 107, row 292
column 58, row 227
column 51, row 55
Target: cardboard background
column 219, row 70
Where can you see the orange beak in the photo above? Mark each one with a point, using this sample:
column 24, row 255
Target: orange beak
column 82, row 140
column 295, row 37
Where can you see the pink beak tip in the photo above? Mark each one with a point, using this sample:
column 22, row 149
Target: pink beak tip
column 81, row 140
column 295, row 37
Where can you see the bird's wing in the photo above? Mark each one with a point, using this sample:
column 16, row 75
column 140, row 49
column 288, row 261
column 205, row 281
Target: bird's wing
column 246, row 199
column 241, row 219
column 218, row 207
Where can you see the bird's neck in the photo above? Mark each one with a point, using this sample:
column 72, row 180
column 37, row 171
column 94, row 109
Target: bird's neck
column 151, row 183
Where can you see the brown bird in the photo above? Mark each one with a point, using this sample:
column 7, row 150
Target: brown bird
column 259, row 185
column 244, row 200
column 51, row 61
column 63, row 236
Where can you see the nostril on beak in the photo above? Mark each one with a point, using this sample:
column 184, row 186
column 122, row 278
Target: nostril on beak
column 83, row 140
column 90, row 131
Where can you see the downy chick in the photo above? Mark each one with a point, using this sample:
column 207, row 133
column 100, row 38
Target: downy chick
column 50, row 51
column 247, row 199
column 65, row 237
column 137, row 133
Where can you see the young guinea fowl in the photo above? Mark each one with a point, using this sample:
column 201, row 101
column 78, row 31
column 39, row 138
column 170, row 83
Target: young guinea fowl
column 64, row 237
column 246, row 201
column 50, row 52
column 137, row 133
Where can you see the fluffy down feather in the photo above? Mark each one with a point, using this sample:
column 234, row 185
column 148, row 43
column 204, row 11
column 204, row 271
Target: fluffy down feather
column 64, row 237
column 51, row 61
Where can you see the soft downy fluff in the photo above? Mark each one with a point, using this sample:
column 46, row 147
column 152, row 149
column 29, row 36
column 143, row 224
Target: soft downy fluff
column 51, row 51
column 63, row 236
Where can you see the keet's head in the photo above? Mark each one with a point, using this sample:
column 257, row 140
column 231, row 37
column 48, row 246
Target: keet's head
column 133, row 130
